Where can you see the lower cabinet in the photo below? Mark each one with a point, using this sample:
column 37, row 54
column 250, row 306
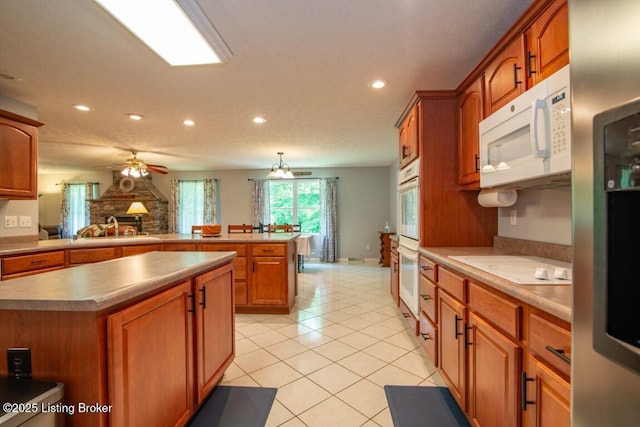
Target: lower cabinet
column 546, row 398
column 452, row 349
column 167, row 353
column 266, row 275
column 494, row 365
column 395, row 273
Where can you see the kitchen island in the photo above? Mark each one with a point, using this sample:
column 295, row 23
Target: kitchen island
column 265, row 266
column 139, row 340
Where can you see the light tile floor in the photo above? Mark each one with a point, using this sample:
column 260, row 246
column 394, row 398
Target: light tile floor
column 332, row 355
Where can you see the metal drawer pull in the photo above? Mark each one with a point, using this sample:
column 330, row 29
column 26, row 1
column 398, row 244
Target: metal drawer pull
column 523, row 391
column 204, row 297
column 559, row 353
column 425, row 336
column 192, row 297
column 269, row 251
column 457, row 331
column 426, row 267
column 467, row 343
column 425, row 297
column 38, row 261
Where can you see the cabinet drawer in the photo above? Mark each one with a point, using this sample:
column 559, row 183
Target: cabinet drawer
column 83, row 256
column 21, row 263
column 428, row 269
column 429, row 338
column 268, row 250
column 428, row 295
column 139, row 249
column 239, row 248
column 240, row 268
column 452, row 283
column 190, row 247
column 550, row 342
column 503, row 313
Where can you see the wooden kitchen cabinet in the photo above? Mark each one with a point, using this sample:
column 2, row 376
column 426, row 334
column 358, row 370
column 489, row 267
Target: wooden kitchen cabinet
column 196, row 314
column 547, row 43
column 504, row 77
column 19, row 159
column 385, row 248
column 470, row 113
column 266, row 275
column 139, row 249
column 88, row 255
column 409, row 147
column 241, row 287
column 14, row 266
column 494, row 366
column 395, row 273
column 160, row 328
column 547, row 399
column 451, row 346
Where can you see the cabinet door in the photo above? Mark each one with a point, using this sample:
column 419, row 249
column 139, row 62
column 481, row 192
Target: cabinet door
column 395, row 279
column 267, row 281
column 158, row 393
column 408, row 149
column 469, row 117
column 214, row 327
column 451, row 354
column 547, row 43
column 504, row 78
column 551, row 404
column 19, row 148
column 494, row 365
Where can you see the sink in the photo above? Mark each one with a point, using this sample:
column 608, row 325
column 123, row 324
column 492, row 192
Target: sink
column 90, row 241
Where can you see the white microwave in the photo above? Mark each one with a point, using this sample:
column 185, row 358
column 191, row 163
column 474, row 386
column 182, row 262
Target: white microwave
column 527, row 143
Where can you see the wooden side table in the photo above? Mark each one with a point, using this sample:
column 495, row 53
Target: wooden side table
column 385, row 248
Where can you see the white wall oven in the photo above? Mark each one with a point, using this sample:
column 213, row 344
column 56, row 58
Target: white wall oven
column 409, row 234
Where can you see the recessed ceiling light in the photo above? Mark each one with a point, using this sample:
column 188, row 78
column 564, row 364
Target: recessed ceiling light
column 259, row 120
column 81, row 107
column 135, row 116
column 178, row 31
column 379, row 84
column 188, row 122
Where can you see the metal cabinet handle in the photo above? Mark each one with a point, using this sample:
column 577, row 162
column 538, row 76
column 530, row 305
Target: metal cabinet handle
column 516, row 82
column 405, row 315
column 38, row 261
column 192, row 297
column 523, row 391
column 477, row 161
column 425, row 267
column 467, row 343
column 425, row 297
column 404, row 151
column 560, row 353
column 425, row 336
column 530, row 69
column 457, row 331
column 204, row 297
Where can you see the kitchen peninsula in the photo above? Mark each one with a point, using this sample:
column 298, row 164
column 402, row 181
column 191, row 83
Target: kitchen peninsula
column 265, row 265
column 142, row 340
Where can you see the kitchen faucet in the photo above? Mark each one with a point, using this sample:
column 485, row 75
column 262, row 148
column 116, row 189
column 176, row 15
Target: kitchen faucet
column 115, row 221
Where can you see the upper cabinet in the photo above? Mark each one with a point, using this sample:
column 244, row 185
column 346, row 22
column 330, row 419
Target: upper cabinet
column 504, row 77
column 469, row 116
column 409, row 131
column 19, row 146
column 547, row 43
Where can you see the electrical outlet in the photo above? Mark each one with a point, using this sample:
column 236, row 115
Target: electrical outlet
column 19, row 362
column 10, row 221
column 368, row 247
column 513, row 218
column 25, row 221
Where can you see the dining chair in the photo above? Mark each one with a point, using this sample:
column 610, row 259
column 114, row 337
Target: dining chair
column 235, row 228
column 285, row 228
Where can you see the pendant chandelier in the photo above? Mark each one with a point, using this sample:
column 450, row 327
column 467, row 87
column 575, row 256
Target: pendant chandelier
column 280, row 170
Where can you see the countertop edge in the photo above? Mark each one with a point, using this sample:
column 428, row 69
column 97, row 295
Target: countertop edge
column 539, row 297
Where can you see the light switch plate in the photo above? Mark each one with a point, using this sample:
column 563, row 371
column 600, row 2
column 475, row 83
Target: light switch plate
column 25, row 221
column 10, row 221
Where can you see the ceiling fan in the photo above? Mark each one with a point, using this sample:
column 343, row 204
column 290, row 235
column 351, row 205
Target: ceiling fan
column 137, row 168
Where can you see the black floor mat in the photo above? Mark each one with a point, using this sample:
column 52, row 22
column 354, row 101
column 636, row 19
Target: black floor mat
column 422, row 406
column 230, row 406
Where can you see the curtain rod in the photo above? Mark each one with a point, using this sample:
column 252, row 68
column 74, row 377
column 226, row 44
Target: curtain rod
column 62, row 183
column 291, row 179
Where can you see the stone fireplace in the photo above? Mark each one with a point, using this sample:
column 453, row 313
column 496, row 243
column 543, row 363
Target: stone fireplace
column 126, row 190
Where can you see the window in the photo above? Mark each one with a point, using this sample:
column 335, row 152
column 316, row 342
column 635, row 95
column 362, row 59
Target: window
column 75, row 206
column 296, row 202
column 194, row 203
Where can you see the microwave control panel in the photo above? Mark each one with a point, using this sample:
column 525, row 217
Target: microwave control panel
column 560, row 123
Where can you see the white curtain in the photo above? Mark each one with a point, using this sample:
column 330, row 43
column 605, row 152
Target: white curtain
column 192, row 202
column 260, row 202
column 329, row 219
column 76, row 211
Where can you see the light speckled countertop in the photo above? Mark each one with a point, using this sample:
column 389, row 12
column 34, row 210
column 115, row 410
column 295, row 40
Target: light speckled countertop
column 50, row 245
column 98, row 286
column 555, row 300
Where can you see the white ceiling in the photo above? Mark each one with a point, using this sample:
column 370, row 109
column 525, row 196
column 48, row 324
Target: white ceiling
column 305, row 65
